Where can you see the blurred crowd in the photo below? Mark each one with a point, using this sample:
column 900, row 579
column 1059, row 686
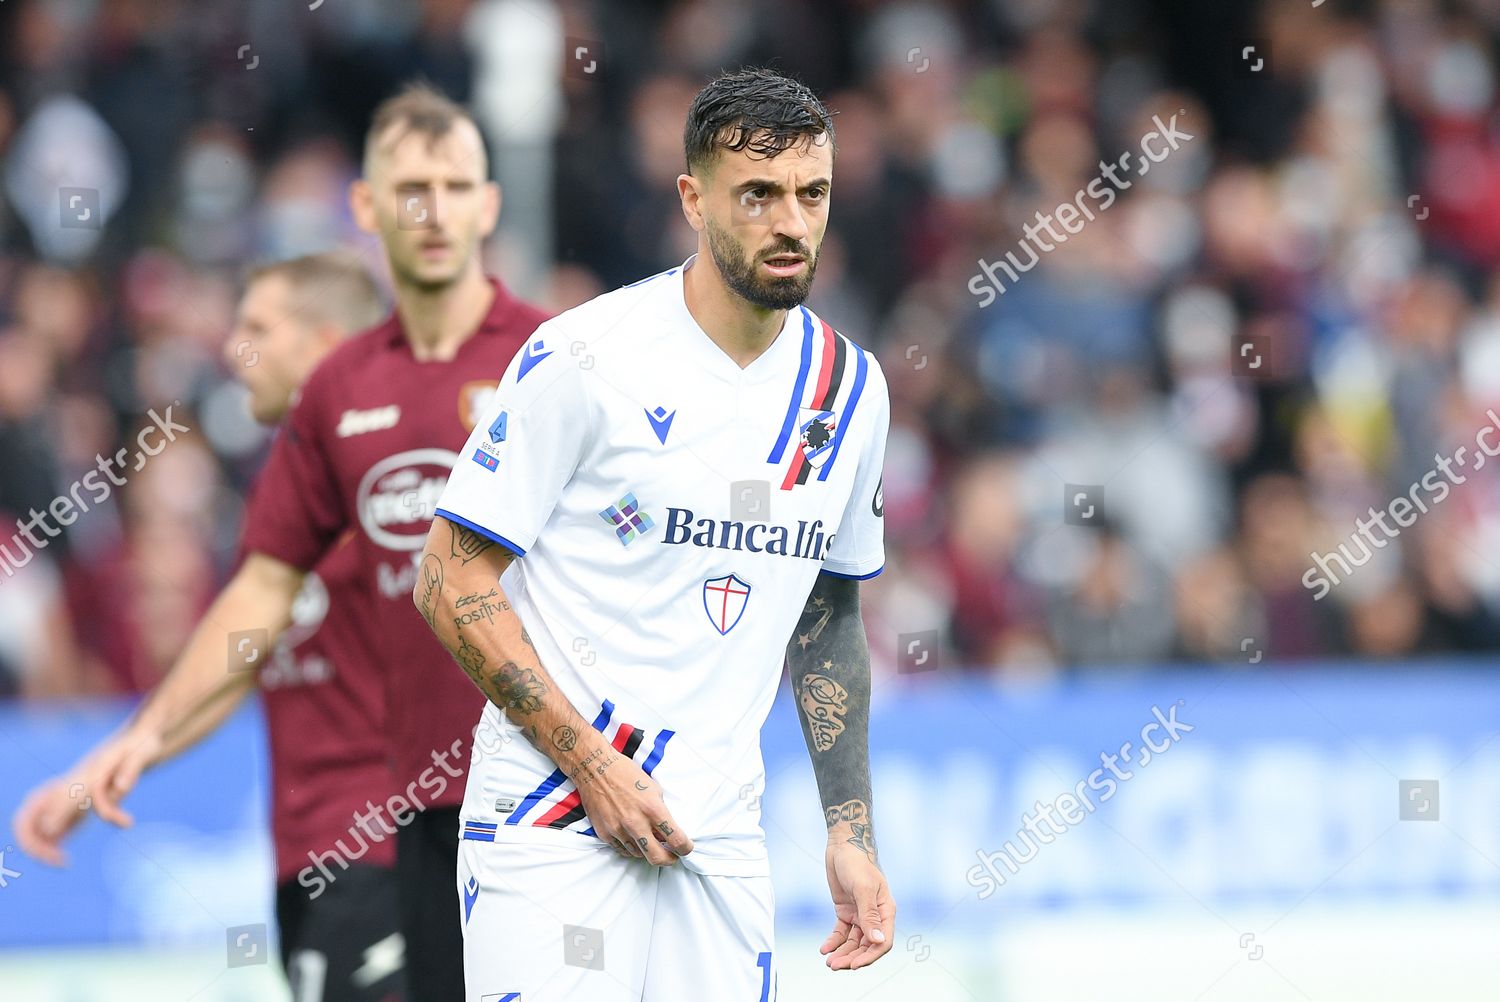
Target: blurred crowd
column 1271, row 332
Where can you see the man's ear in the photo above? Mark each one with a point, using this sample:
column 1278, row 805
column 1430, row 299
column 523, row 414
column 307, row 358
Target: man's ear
column 325, row 337
column 490, row 212
column 690, row 190
column 362, row 206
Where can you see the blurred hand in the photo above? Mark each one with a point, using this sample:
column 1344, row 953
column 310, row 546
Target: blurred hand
column 100, row 782
column 864, row 912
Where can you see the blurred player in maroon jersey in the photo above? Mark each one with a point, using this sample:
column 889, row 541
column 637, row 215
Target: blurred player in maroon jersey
column 328, row 752
column 368, row 448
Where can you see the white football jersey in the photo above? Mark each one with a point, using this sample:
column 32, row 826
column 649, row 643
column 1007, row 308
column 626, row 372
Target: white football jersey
column 672, row 511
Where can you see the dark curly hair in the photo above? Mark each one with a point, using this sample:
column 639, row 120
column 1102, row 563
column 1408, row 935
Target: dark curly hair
column 757, row 109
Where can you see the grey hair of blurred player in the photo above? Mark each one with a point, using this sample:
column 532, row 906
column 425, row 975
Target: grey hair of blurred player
column 292, row 313
column 762, row 114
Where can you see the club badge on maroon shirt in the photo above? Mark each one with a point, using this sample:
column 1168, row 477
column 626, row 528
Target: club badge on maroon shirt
column 369, row 445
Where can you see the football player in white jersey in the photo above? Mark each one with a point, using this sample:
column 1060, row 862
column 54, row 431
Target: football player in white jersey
column 675, row 490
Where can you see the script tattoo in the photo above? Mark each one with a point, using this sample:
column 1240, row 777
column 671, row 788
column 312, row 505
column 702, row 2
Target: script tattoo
column 432, row 586
column 467, row 544
column 824, row 703
column 478, row 607
column 592, row 765
column 476, row 597
column 563, row 739
column 518, row 688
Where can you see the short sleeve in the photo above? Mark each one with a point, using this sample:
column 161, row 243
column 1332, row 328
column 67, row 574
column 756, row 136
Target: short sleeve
column 524, row 449
column 858, row 549
column 295, row 511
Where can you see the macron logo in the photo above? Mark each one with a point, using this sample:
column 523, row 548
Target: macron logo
column 361, row 422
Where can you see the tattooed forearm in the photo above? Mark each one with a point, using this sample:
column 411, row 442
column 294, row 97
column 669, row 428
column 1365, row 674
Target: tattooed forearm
column 478, row 608
column 470, row 657
column 517, row 689
column 857, row 814
column 829, row 660
column 458, row 593
column 822, row 613
column 430, row 587
column 824, row 704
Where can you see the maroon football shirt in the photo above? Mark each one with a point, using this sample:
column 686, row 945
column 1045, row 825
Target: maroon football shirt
column 325, row 716
column 368, row 447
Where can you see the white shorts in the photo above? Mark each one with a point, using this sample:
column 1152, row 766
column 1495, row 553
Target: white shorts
column 546, row 922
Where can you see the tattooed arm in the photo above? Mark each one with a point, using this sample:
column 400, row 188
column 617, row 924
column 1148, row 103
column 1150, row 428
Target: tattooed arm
column 829, row 660
column 458, row 592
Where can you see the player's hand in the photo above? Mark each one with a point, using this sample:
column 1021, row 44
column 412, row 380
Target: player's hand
column 626, row 809
column 100, row 782
column 864, row 911
column 46, row 817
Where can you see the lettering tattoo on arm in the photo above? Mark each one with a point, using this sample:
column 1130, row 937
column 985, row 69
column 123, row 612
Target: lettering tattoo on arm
column 829, row 660
column 477, row 607
column 432, row 587
column 593, row 765
column 824, row 705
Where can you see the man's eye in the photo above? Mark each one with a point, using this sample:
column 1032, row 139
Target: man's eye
column 817, row 193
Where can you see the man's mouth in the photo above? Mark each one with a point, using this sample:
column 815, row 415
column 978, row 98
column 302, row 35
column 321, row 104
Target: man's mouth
column 785, row 265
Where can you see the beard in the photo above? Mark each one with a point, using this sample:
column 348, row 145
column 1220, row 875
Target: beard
column 743, row 280
column 408, row 271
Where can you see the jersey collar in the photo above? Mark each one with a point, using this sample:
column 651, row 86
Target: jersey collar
column 494, row 321
column 712, row 356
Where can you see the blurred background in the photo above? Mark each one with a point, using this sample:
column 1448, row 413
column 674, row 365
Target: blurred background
column 1105, row 482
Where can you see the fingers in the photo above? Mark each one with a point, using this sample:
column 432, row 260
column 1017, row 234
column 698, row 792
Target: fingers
column 107, row 805
column 118, row 778
column 839, row 959
column 675, row 838
column 869, row 938
column 37, row 832
column 836, row 938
